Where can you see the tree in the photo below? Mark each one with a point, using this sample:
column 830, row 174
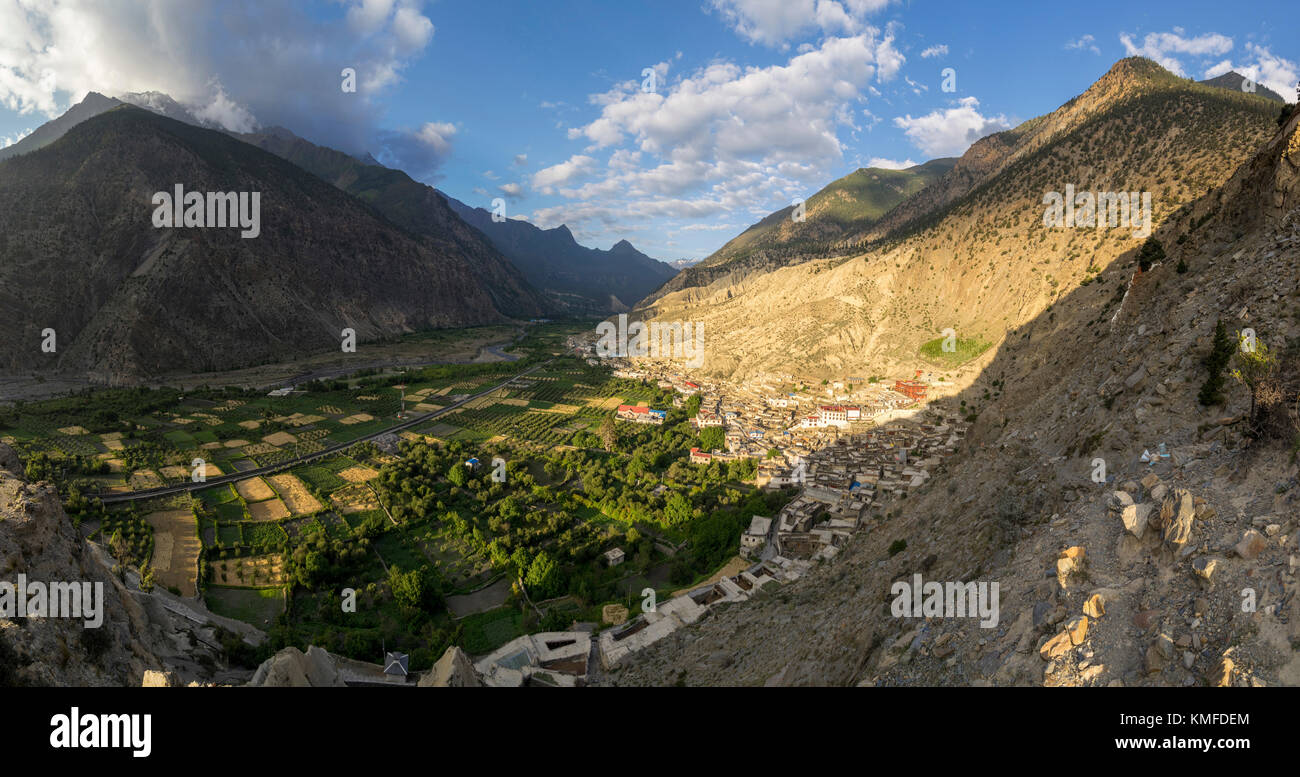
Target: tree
column 692, row 406
column 542, row 576
column 1150, row 253
column 608, row 433
column 676, row 510
column 1256, row 368
column 1220, row 353
column 712, row 438
column 407, row 587
column 457, row 475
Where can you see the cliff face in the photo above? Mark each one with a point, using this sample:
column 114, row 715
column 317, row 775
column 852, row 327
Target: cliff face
column 137, row 634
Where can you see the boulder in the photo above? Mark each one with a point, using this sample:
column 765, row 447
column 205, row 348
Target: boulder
column 1135, row 518
column 453, row 670
column 1252, row 544
column 1178, row 528
column 1095, row 607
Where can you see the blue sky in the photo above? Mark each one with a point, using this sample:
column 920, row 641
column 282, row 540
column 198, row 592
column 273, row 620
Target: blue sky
column 541, row 102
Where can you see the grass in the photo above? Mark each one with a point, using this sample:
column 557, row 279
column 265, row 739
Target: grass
column 965, row 350
column 487, row 631
column 257, row 606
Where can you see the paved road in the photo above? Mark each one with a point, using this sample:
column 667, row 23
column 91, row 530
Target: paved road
column 113, row 498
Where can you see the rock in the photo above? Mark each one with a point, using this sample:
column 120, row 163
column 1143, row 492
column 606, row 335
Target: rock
column 1130, row 486
column 291, row 668
column 1146, row 619
column 1055, row 647
column 1149, row 482
column 1077, row 628
column 1136, row 378
column 155, row 679
column 1178, row 530
column 1095, row 607
column 1272, row 529
column 1252, row 544
column 1200, row 605
column 1159, row 653
column 1120, row 499
column 1158, row 492
column 1205, row 567
column 1223, row 674
column 1189, row 658
column 1135, row 518
column 1071, row 566
column 943, row 652
column 453, row 670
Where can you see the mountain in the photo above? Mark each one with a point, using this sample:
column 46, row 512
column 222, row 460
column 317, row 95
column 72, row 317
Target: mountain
column 1234, row 80
column 1168, row 550
column 970, row 252
column 90, row 106
column 79, row 254
column 844, row 206
column 576, row 279
column 414, row 206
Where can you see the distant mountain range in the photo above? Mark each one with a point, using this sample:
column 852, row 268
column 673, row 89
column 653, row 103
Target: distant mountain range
column 79, row 254
column 346, row 242
column 574, row 278
column 844, row 206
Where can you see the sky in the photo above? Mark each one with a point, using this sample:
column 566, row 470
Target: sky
column 673, row 124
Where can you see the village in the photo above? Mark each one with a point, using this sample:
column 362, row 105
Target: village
column 831, row 443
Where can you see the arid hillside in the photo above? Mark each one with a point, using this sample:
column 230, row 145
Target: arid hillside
column 1182, row 572
column 970, row 252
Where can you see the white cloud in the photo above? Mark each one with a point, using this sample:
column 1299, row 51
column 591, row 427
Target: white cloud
column 775, row 22
column 940, row 50
column 890, row 164
column 240, row 62
column 521, row 160
column 6, row 141
column 576, row 166
column 1086, row 42
column 1274, row 72
column 949, row 132
column 1162, row 46
column 512, row 191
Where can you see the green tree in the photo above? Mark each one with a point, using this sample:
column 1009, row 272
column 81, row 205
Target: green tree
column 1150, row 253
column 676, row 509
column 608, row 433
column 692, row 405
column 1216, row 361
column 712, row 438
column 458, row 474
column 1256, row 369
column 542, row 577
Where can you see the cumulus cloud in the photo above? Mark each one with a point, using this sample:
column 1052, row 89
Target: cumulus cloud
column 1087, row 42
column 576, row 166
column 240, row 63
column 775, row 22
column 891, row 164
column 512, row 191
column 1274, row 72
column 722, row 139
column 950, row 131
column 940, row 50
column 1163, row 46
column 521, row 160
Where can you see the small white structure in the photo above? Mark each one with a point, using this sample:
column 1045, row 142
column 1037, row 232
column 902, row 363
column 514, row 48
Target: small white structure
column 756, row 536
column 615, row 556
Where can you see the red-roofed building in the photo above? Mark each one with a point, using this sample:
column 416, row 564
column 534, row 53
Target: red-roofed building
column 911, row 388
column 700, row 457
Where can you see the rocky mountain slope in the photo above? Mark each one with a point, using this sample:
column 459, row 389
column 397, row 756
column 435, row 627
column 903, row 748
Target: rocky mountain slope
column 139, row 634
column 845, row 206
column 414, row 206
column 79, row 254
column 576, row 279
column 970, row 252
column 1182, row 572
